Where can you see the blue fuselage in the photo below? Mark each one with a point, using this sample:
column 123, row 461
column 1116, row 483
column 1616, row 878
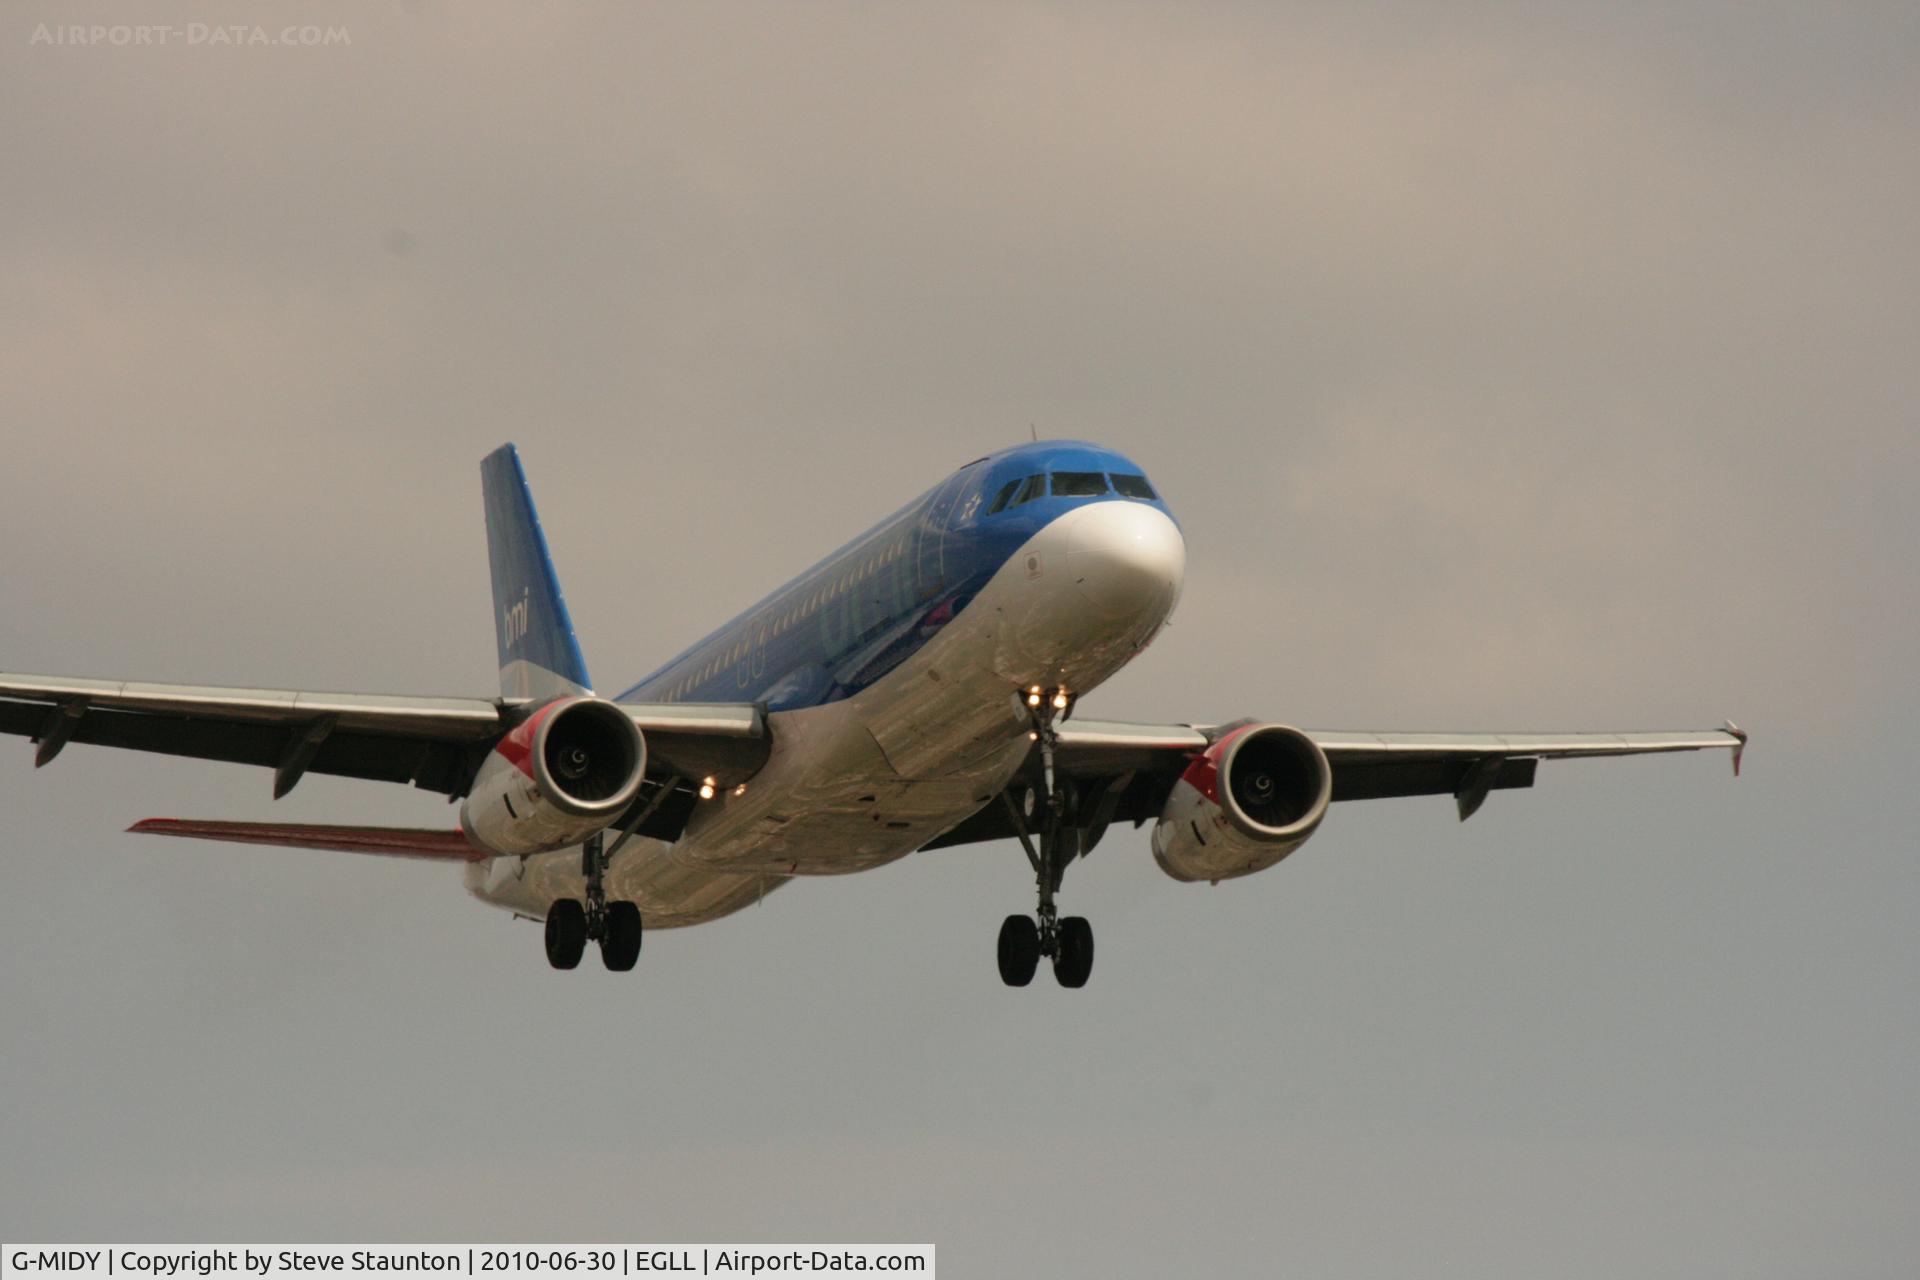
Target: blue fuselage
column 849, row 620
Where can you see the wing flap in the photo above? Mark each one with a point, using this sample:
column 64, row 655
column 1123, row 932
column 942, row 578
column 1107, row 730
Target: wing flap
column 1385, row 779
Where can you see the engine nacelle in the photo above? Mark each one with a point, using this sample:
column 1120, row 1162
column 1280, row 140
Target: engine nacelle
column 1251, row 799
column 563, row 773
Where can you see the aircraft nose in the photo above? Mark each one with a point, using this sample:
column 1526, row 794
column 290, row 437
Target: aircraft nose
column 1126, row 558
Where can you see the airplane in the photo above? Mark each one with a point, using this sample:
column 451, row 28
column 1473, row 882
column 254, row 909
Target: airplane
column 914, row 690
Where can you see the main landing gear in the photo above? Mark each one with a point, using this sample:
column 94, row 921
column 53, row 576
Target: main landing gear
column 1067, row 941
column 572, row 923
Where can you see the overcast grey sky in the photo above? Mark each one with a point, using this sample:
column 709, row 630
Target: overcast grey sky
column 1509, row 366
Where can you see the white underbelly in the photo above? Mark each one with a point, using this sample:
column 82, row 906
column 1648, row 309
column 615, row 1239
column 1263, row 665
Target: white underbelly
column 668, row 892
column 831, row 801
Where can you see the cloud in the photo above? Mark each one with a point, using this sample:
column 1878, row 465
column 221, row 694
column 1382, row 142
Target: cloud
column 1539, row 356
column 1545, row 368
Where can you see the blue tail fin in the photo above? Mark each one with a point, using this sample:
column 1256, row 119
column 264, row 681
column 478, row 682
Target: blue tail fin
column 539, row 656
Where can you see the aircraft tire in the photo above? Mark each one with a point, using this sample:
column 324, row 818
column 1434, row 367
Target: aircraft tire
column 566, row 933
column 1073, row 963
column 1019, row 950
column 620, row 944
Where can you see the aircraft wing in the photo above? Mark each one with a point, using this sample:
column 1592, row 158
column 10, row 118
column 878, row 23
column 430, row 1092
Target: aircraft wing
column 432, row 743
column 386, row 842
column 1125, row 771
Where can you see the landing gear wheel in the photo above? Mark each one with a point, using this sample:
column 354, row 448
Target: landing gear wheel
column 566, row 933
column 1019, row 950
column 1069, row 826
column 1073, row 960
column 620, row 936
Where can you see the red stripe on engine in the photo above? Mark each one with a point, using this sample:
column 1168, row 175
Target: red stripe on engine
column 517, row 747
column 1203, row 775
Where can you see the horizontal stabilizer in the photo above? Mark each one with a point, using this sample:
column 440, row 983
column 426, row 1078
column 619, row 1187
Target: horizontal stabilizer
column 390, row 842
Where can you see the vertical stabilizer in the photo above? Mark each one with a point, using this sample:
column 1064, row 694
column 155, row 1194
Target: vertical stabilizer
column 539, row 655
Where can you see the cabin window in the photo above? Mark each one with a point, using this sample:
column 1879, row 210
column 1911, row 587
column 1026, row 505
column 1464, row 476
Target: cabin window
column 1079, row 484
column 1133, row 487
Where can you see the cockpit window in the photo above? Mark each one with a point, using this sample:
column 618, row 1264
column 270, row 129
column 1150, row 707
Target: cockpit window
column 1079, row 484
column 1003, row 497
column 1133, row 487
column 1036, row 486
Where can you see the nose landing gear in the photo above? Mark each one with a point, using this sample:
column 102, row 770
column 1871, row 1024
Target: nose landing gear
column 1068, row 941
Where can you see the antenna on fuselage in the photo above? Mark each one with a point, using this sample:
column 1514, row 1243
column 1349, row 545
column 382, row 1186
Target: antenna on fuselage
column 1033, row 433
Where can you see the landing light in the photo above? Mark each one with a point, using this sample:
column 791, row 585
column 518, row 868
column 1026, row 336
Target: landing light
column 1060, row 700
column 740, row 790
column 706, row 788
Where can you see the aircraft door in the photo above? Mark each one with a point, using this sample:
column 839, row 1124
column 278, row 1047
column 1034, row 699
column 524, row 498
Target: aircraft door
column 751, row 663
column 762, row 633
column 930, row 562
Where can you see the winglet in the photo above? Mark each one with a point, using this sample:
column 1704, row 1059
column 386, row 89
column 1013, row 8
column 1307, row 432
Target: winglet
column 1739, row 737
column 539, row 654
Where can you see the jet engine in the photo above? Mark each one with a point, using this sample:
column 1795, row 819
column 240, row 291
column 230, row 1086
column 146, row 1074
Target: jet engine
column 1249, row 800
column 559, row 776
